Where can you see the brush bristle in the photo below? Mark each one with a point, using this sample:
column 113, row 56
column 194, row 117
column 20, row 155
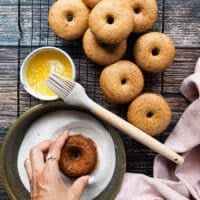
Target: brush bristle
column 60, row 85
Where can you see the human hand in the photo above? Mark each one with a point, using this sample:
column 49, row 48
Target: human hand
column 44, row 175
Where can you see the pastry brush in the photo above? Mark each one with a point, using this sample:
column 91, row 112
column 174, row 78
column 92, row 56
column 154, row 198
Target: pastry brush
column 73, row 93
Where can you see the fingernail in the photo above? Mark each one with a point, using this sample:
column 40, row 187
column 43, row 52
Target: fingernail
column 66, row 133
column 26, row 160
column 91, row 180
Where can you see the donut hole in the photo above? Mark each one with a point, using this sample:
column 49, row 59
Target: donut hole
column 137, row 10
column 149, row 114
column 123, row 81
column 75, row 153
column 110, row 19
column 70, row 17
column 104, row 45
column 155, row 52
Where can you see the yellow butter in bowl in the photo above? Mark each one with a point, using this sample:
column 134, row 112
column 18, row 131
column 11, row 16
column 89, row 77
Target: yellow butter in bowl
column 39, row 65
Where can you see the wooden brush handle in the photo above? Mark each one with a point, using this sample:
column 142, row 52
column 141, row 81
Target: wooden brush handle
column 136, row 133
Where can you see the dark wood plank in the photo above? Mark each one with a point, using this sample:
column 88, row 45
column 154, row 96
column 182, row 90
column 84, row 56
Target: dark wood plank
column 8, row 86
column 183, row 65
column 182, row 22
column 8, row 94
column 9, row 32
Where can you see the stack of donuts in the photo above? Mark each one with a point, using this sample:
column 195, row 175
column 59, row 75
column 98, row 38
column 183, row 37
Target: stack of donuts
column 104, row 26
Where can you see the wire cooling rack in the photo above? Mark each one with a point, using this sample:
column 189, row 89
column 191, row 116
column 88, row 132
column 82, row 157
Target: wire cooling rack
column 34, row 32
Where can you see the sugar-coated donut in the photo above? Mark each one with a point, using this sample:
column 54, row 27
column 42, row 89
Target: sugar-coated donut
column 145, row 14
column 150, row 113
column 91, row 3
column 78, row 156
column 68, row 19
column 111, row 21
column 121, row 82
column 100, row 53
column 154, row 52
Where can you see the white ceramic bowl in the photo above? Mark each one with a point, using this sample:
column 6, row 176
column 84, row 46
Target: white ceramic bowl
column 24, row 65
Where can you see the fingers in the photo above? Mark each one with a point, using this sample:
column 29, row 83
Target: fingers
column 37, row 161
column 28, row 168
column 57, row 145
column 37, row 155
column 79, row 186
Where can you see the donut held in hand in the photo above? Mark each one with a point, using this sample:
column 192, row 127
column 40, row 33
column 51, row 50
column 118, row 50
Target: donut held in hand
column 78, row 156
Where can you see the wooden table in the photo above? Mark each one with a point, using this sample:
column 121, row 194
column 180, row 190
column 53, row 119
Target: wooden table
column 24, row 27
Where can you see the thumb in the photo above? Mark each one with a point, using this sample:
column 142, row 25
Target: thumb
column 79, row 186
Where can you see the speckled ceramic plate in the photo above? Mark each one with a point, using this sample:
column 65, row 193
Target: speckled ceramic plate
column 105, row 182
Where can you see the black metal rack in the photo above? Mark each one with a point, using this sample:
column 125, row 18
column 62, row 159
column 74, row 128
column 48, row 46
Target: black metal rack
column 35, row 32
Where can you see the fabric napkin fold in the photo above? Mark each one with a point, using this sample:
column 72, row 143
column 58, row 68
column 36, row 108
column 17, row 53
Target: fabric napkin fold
column 171, row 181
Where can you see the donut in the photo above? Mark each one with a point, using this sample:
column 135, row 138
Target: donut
column 150, row 113
column 145, row 14
column 121, row 82
column 78, row 156
column 111, row 21
column 91, row 3
column 154, row 52
column 100, row 53
column 68, row 19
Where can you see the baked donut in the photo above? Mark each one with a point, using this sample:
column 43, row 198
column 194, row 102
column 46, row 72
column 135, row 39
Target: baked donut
column 145, row 14
column 68, row 19
column 150, row 113
column 154, row 52
column 111, row 21
column 91, row 3
column 100, row 53
column 121, row 82
column 78, row 156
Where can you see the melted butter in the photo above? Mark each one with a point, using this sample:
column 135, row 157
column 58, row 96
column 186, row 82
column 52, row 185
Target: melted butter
column 40, row 67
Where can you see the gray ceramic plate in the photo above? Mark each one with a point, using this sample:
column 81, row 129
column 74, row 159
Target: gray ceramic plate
column 15, row 136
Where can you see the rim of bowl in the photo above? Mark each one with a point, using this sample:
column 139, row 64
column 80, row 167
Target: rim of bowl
column 24, row 67
column 120, row 170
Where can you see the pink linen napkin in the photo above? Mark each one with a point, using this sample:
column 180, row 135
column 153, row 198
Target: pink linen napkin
column 174, row 182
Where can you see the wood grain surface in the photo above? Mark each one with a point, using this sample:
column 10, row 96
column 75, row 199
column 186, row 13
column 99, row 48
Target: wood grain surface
column 24, row 27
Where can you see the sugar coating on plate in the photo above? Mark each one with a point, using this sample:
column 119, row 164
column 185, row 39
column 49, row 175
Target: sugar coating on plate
column 78, row 156
column 150, row 113
column 121, row 82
